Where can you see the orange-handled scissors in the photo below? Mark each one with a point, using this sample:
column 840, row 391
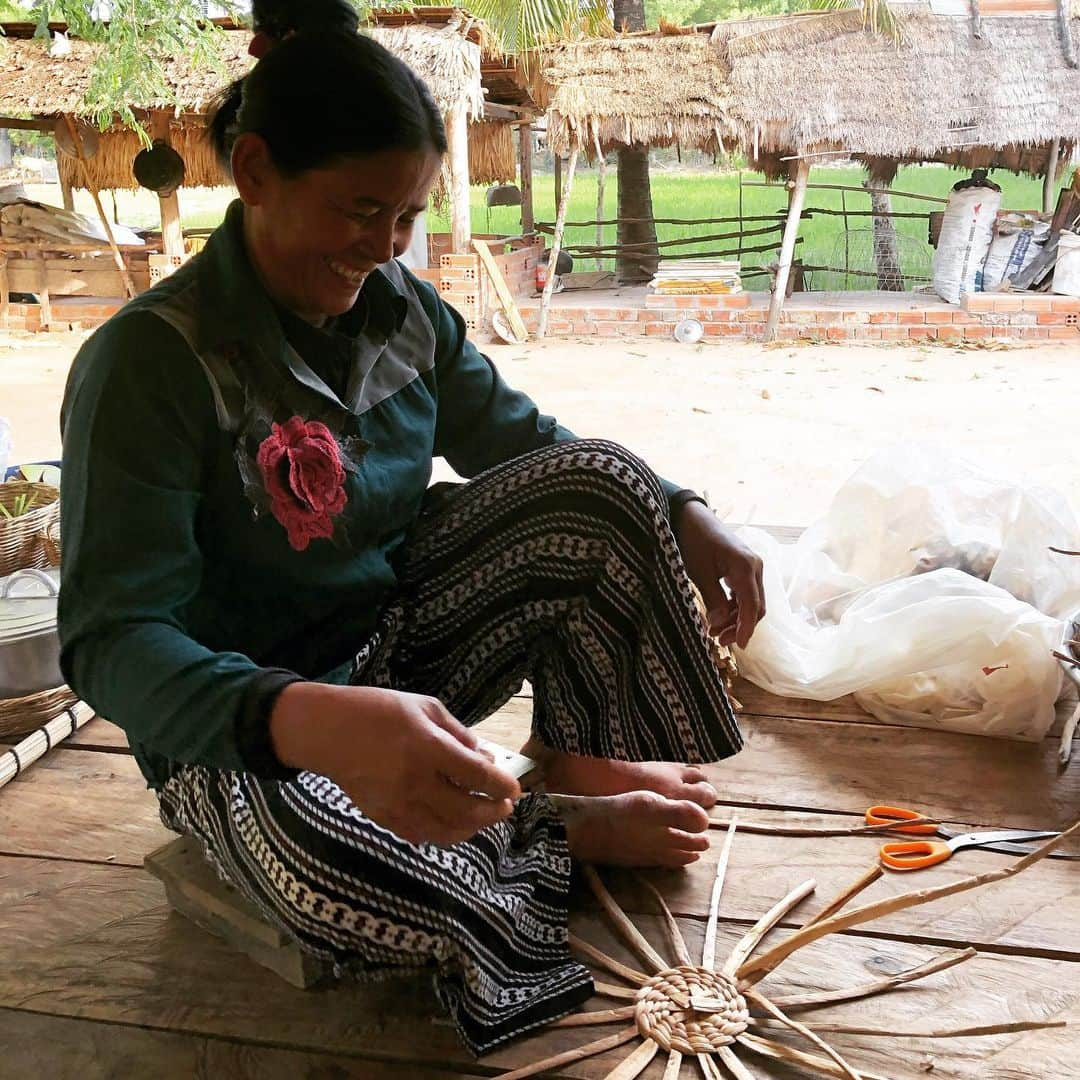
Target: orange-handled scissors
column 896, row 816
column 918, row 854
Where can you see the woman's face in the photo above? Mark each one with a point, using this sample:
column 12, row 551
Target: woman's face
column 314, row 238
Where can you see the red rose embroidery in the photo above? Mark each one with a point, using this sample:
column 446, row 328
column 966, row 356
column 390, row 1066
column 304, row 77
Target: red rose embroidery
column 301, row 467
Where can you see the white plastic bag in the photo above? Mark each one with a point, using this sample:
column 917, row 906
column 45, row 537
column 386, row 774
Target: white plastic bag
column 928, row 591
column 1067, row 269
column 966, row 231
column 1018, row 240
column 5, row 447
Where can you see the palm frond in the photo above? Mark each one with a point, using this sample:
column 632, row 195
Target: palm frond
column 876, row 15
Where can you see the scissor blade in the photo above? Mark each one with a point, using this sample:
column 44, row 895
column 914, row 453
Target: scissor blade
column 1006, row 848
column 981, row 839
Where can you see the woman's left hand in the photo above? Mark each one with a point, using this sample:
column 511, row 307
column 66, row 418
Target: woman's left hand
column 714, row 557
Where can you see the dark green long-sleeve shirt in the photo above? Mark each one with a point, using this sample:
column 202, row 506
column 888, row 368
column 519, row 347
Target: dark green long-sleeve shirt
column 183, row 612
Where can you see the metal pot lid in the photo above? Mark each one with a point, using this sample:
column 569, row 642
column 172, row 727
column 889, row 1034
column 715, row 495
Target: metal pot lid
column 28, row 600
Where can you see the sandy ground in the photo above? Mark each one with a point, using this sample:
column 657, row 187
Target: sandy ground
column 769, row 433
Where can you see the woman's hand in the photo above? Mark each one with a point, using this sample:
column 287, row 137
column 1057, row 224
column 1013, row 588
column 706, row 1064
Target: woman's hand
column 402, row 758
column 714, row 557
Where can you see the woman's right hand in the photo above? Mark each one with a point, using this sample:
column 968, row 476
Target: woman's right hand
column 402, row 758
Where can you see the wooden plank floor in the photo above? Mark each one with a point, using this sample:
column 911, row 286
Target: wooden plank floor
column 100, row 979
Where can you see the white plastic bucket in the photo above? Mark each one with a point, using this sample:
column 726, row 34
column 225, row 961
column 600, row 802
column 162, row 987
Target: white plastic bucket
column 1067, row 270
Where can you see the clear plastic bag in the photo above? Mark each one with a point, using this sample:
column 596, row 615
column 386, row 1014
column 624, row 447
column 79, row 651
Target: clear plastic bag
column 929, row 592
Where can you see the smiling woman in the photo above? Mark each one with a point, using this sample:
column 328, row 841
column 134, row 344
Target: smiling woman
column 296, row 631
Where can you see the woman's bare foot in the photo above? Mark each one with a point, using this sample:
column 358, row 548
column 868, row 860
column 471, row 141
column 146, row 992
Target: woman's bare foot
column 576, row 775
column 640, row 828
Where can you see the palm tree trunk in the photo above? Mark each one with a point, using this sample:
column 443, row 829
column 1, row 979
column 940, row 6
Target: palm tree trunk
column 890, row 276
column 638, row 263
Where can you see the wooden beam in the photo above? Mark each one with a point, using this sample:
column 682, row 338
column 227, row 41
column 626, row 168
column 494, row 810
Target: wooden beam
column 76, row 140
column 787, row 248
column 1051, row 176
column 457, row 135
column 172, row 229
column 5, row 292
column 17, row 124
column 556, row 242
column 502, row 290
column 67, row 194
column 558, row 182
column 525, row 169
column 44, row 299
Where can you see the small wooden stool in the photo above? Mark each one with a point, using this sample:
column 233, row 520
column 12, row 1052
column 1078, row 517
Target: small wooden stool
column 194, row 889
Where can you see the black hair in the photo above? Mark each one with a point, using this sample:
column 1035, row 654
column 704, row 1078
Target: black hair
column 278, row 18
column 320, row 97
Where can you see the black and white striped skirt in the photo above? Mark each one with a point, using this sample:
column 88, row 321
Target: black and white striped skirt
column 560, row 567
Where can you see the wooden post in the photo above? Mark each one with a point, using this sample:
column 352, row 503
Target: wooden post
column 556, row 243
column 44, row 299
column 172, row 229
column 457, row 135
column 525, row 148
column 558, row 182
column 787, row 248
column 66, row 193
column 1051, row 176
column 76, row 140
column 601, row 169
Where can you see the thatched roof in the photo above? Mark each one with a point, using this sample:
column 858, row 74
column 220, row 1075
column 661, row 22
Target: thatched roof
column 818, row 82
column 33, row 82
column 442, row 45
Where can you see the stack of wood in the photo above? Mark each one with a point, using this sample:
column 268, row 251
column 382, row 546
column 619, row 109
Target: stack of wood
column 688, row 277
column 1038, row 276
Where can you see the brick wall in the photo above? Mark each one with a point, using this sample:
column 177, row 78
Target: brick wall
column 981, row 316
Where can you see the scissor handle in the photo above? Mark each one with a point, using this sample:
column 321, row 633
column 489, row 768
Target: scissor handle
column 887, row 815
column 914, row 854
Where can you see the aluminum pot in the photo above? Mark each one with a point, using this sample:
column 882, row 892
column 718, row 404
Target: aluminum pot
column 29, row 642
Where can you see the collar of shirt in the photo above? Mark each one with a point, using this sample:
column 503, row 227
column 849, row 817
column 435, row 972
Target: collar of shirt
column 237, row 309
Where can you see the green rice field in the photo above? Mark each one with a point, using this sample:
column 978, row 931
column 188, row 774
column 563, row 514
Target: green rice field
column 679, row 194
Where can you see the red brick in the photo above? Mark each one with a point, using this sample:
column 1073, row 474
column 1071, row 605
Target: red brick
column 584, row 328
column 658, row 329
column 1039, row 333
column 856, row 318
column 1052, row 318
column 922, row 333
column 1064, row 333
column 1008, row 303
column 894, row 333
column 616, row 329
column 1065, row 303
column 938, row 317
column 910, row 318
column 978, row 332
column 962, row 318
column 869, row 333
column 978, row 301
column 836, row 333
column 882, row 317
column 1036, row 303
column 725, row 329
column 461, row 261
column 645, row 316
column 611, row 314
column 734, row 301
column 1004, row 332
column 950, row 333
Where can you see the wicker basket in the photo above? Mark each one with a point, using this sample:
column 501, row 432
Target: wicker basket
column 23, row 538
column 20, row 716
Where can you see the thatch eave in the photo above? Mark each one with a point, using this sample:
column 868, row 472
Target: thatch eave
column 791, row 86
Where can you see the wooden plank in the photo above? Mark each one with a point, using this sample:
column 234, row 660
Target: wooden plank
column 1035, row 912
column 758, row 702
column 156, row 972
column 64, row 1049
column 846, row 767
column 99, row 734
column 501, row 290
column 102, row 281
column 78, row 804
column 45, row 902
column 172, row 231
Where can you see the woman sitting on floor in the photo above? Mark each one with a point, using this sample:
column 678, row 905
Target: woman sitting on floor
column 296, row 632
